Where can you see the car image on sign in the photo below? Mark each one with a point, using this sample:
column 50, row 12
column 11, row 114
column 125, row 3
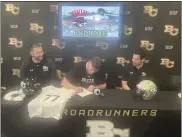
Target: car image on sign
column 79, row 22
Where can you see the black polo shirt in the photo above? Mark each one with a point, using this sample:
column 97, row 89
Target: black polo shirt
column 44, row 72
column 78, row 76
column 134, row 75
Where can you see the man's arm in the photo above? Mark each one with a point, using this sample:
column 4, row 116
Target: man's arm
column 71, row 78
column 23, row 70
column 124, row 81
column 53, row 77
column 65, row 83
column 101, row 86
column 124, row 85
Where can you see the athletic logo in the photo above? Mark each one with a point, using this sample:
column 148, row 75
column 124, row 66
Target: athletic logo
column 103, row 45
column 78, row 59
column 34, row 27
column 16, row 72
column 15, row 42
column 168, row 63
column 45, row 68
column 145, row 44
column 53, row 8
column 23, row 84
column 122, row 61
column 14, row 96
column 127, row 30
column 143, row 74
column 102, row 128
column 131, row 73
column 35, row 11
column 170, row 29
column 13, row 9
column 150, row 10
column 59, row 44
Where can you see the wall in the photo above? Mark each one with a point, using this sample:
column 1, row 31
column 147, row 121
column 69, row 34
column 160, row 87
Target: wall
column 154, row 26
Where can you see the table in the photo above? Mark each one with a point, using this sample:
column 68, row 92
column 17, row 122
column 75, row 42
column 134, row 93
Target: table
column 120, row 109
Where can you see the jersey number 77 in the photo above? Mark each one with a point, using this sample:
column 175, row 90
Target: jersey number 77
column 51, row 98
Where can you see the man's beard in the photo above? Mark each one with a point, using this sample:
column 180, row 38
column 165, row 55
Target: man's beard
column 137, row 64
column 134, row 64
column 38, row 59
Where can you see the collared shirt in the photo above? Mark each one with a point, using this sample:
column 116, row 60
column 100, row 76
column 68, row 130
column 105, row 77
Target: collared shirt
column 134, row 75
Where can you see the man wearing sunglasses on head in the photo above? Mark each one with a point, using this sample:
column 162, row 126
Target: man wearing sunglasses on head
column 86, row 75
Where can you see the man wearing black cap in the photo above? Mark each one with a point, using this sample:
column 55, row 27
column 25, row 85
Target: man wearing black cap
column 39, row 66
column 85, row 75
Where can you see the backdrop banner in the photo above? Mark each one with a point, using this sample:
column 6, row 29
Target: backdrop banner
column 154, row 26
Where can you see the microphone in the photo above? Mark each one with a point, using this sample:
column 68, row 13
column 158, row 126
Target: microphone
column 97, row 92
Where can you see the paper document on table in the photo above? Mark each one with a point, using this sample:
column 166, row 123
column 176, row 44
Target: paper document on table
column 179, row 95
column 85, row 93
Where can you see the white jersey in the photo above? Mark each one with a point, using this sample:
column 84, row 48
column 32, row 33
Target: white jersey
column 50, row 102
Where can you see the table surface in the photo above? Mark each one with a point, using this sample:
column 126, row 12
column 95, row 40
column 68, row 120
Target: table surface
column 126, row 99
column 15, row 119
column 120, row 99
